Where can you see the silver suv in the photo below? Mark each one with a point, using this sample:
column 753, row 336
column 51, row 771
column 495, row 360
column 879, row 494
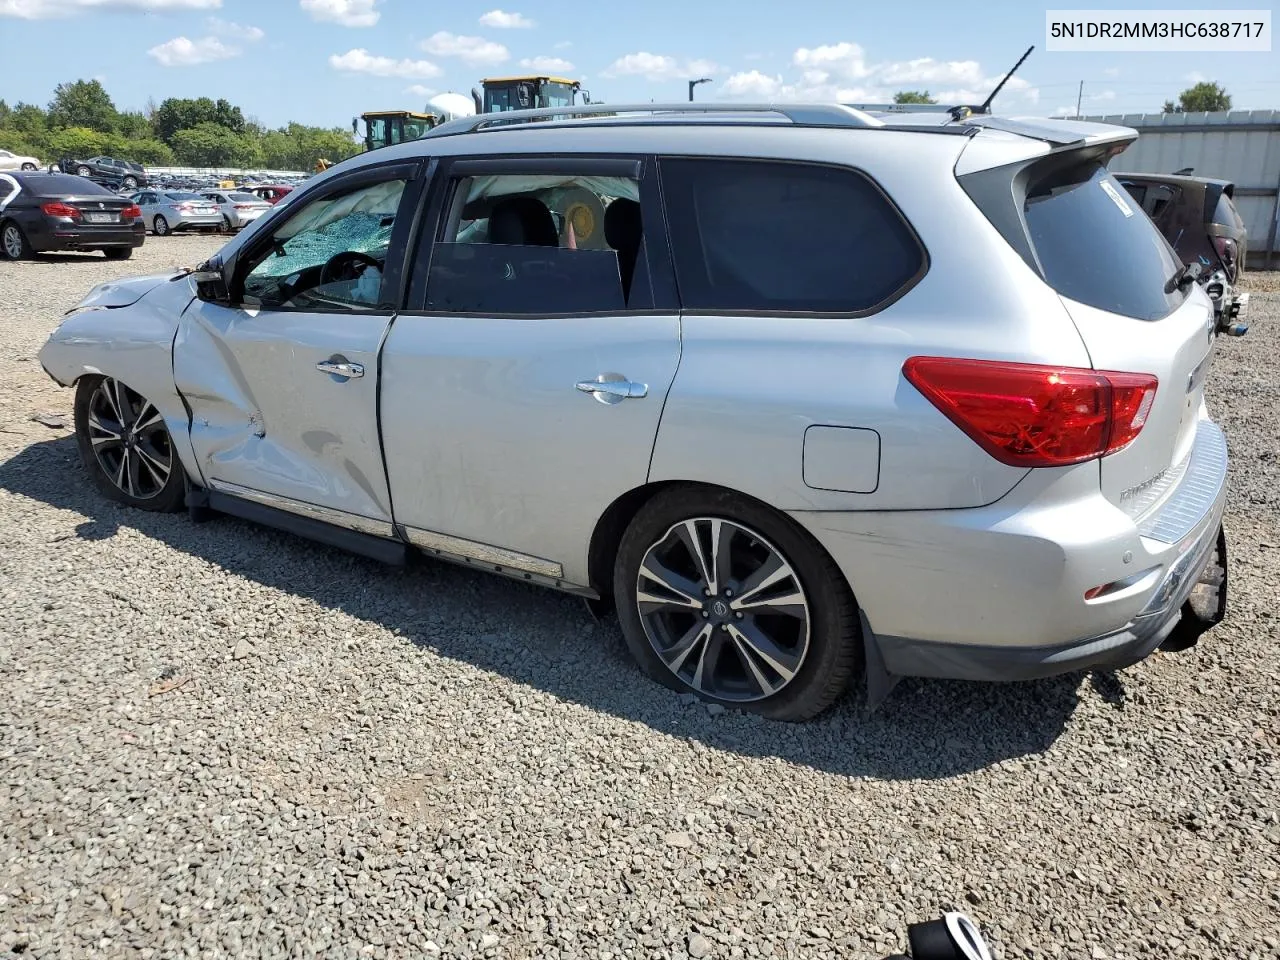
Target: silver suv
column 807, row 394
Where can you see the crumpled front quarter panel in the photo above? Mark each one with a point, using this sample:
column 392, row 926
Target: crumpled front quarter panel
column 132, row 343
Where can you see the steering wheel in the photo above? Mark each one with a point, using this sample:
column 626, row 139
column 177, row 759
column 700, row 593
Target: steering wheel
column 341, row 266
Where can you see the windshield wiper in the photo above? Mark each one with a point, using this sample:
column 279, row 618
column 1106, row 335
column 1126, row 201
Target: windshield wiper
column 1186, row 275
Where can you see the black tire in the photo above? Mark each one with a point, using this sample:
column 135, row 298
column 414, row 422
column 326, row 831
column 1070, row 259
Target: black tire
column 160, row 226
column 155, row 496
column 118, row 253
column 83, row 171
column 29, row 167
column 130, row 183
column 14, row 244
column 226, row 224
column 833, row 655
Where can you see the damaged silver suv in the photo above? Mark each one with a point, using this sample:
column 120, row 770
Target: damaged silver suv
column 808, row 394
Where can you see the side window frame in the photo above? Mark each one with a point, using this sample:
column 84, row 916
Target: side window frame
column 899, row 292
column 391, row 295
column 454, row 169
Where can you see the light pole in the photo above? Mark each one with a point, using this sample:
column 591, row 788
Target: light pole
column 694, row 83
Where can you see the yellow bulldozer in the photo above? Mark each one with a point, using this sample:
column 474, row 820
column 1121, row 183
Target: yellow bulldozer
column 384, row 128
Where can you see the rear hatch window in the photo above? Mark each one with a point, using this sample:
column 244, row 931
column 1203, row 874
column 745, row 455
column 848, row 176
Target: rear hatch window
column 1095, row 244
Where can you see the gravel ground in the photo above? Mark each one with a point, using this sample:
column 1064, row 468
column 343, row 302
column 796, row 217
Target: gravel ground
column 217, row 740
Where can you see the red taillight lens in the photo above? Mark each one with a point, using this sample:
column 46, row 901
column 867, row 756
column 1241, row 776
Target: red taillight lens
column 1033, row 415
column 185, row 207
column 1226, row 248
column 244, row 206
column 56, row 208
column 131, row 212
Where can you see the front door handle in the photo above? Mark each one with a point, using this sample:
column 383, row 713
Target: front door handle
column 341, row 368
column 613, row 388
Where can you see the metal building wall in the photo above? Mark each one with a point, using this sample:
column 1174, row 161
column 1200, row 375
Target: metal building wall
column 1242, row 146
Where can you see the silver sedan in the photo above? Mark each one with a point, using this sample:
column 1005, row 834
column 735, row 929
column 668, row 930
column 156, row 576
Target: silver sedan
column 239, row 209
column 166, row 211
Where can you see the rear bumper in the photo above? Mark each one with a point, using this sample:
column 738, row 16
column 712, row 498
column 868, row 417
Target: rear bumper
column 213, row 222
column 65, row 235
column 998, row 593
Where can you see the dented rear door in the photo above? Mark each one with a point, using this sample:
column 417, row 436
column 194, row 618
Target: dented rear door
column 283, row 386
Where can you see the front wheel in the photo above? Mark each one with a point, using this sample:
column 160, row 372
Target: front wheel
column 83, row 171
column 29, row 167
column 724, row 598
column 130, row 183
column 160, row 226
column 126, row 447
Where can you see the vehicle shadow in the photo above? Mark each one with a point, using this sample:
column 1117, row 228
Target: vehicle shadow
column 549, row 641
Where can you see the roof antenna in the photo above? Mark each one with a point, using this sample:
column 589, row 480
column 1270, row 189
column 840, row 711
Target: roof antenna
column 986, row 104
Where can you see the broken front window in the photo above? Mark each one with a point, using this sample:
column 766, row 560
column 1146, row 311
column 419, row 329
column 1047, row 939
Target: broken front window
column 331, row 254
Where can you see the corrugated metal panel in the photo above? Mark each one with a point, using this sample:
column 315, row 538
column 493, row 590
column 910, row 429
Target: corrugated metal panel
column 1242, row 146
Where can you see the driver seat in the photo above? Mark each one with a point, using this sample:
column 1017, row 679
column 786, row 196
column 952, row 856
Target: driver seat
column 522, row 221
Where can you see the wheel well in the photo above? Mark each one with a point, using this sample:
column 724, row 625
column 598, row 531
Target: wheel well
column 619, row 514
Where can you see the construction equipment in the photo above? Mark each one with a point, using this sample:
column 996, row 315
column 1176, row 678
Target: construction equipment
column 527, row 93
column 384, row 128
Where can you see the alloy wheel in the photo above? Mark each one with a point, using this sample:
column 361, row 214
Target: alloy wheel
column 129, row 440
column 13, row 244
column 723, row 609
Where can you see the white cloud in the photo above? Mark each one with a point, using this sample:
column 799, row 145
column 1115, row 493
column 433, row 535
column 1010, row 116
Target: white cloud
column 843, row 72
column 547, row 64
column 1104, row 95
column 348, row 13
column 501, row 20
column 752, row 85
column 361, row 61
column 563, row 45
column 653, row 66
column 1195, row 76
column 1111, row 72
column 469, row 49
column 182, row 52
column 239, row 31
column 50, row 9
column 418, row 90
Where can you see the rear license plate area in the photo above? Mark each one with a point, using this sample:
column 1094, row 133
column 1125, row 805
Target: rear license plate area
column 100, row 218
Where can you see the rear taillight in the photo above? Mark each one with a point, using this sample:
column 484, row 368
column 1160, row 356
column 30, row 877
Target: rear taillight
column 131, row 212
column 56, row 208
column 1033, row 415
column 185, row 207
column 244, row 206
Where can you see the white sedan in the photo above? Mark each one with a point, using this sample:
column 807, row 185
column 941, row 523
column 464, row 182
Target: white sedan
column 239, row 209
column 12, row 161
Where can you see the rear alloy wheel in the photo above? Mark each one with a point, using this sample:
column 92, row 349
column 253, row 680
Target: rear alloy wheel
column 130, row 183
column 126, row 447
column 28, row 167
column 160, row 226
column 14, row 242
column 226, row 223
column 83, row 171
column 721, row 597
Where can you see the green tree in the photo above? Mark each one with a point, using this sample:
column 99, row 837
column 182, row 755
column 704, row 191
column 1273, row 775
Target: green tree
column 176, row 114
column 212, row 145
column 28, row 121
column 79, row 143
column 4, row 112
column 132, row 125
column 147, row 151
column 913, row 96
column 228, row 116
column 84, row 103
column 1205, row 96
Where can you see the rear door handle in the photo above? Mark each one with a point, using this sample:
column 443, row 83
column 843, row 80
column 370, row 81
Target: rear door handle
column 613, row 388
column 341, row 368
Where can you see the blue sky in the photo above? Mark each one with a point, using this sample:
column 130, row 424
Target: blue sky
column 324, row 61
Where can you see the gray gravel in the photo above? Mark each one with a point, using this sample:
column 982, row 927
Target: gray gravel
column 217, row 740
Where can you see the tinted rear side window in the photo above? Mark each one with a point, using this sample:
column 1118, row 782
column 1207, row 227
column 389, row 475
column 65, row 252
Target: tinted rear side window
column 1097, row 246
column 1226, row 213
column 768, row 236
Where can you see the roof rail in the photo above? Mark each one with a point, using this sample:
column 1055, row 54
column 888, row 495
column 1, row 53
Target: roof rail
column 801, row 114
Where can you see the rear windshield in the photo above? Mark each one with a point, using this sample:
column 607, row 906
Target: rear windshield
column 178, row 195
column 244, row 198
column 1097, row 246
column 63, row 185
